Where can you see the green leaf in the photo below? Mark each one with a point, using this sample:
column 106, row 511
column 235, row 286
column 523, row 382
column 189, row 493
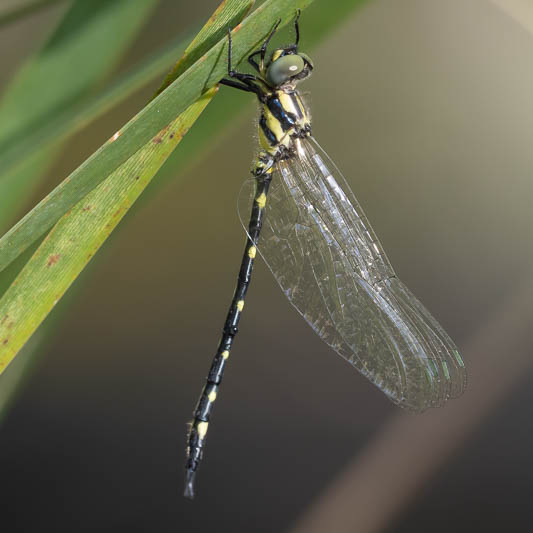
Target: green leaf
column 215, row 28
column 83, row 48
column 21, row 170
column 78, row 235
column 79, row 53
column 80, row 232
column 203, row 74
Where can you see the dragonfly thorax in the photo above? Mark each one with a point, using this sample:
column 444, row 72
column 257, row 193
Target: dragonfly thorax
column 283, row 118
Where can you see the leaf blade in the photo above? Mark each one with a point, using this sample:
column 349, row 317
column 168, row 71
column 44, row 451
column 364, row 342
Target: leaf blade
column 204, row 74
column 37, row 96
column 78, row 235
column 80, row 232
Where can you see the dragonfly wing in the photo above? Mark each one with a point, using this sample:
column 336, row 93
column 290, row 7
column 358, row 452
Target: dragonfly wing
column 331, row 266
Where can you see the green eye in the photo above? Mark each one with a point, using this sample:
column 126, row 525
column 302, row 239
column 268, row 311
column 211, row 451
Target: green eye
column 284, row 68
column 306, row 58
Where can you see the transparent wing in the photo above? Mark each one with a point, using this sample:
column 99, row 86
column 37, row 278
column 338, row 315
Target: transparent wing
column 330, row 264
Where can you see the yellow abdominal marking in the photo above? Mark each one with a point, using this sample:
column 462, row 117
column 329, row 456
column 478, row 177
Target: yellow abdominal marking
column 212, row 396
column 261, row 200
column 240, row 305
column 202, row 429
column 225, row 354
column 252, row 251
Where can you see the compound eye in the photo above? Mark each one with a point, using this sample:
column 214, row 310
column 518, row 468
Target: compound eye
column 307, row 59
column 284, row 68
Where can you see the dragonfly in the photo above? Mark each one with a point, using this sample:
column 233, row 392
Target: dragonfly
column 310, row 230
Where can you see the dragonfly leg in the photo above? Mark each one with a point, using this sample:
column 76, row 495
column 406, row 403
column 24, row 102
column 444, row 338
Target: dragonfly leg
column 246, row 82
column 297, row 28
column 262, row 51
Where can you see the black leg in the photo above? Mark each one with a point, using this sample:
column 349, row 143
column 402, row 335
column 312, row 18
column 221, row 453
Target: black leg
column 262, row 50
column 296, row 27
column 253, row 62
column 294, row 47
column 244, row 86
column 236, row 85
column 267, row 40
column 245, row 78
column 248, row 82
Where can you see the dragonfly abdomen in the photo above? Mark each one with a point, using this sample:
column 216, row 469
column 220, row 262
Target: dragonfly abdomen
column 199, row 425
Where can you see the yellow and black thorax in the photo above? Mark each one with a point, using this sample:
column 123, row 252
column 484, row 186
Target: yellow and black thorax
column 283, row 114
column 283, row 117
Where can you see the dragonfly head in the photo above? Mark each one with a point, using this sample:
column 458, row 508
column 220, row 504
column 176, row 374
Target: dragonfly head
column 288, row 66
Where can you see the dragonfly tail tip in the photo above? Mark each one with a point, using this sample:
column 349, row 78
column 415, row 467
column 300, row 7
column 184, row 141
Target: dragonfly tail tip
column 189, row 484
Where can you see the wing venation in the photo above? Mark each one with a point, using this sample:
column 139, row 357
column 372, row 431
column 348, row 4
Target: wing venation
column 329, row 263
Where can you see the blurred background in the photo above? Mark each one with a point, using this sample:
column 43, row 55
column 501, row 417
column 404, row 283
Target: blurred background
column 426, row 107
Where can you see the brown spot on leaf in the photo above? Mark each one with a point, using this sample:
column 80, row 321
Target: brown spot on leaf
column 52, row 260
column 87, row 208
column 5, row 341
column 157, row 140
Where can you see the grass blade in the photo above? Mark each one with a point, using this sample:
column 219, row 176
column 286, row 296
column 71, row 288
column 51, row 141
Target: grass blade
column 79, row 53
column 19, row 169
column 210, row 34
column 203, row 74
column 78, row 235
column 22, row 170
column 84, row 47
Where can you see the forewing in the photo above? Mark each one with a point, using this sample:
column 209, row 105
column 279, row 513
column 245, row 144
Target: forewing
column 330, row 264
